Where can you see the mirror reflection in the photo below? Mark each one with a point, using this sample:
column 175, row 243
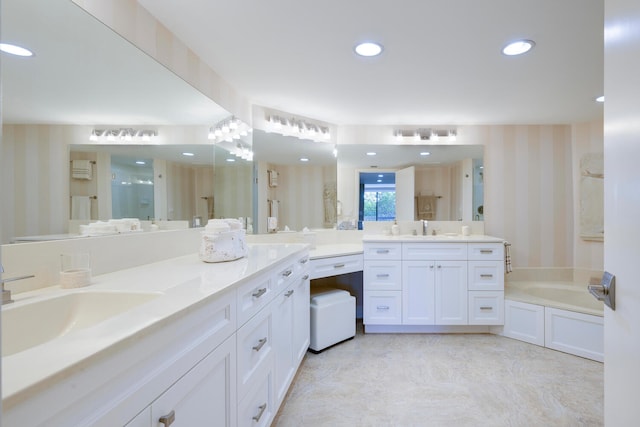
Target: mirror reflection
column 50, row 103
column 411, row 182
column 296, row 183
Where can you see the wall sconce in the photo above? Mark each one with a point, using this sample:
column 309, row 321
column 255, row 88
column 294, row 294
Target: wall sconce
column 298, row 128
column 122, row 134
column 431, row 135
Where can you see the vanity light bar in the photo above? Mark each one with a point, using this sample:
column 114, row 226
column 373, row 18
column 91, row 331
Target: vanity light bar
column 298, row 128
column 432, row 135
column 122, row 134
column 228, row 130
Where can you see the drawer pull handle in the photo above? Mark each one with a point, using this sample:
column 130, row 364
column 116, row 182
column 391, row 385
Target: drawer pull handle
column 287, row 273
column 486, row 308
column 382, row 276
column 304, row 261
column 486, row 251
column 338, row 266
column 305, row 277
column 486, row 276
column 168, row 419
column 261, row 343
column 259, row 292
column 289, row 293
column 383, row 307
column 382, row 251
column 261, row 409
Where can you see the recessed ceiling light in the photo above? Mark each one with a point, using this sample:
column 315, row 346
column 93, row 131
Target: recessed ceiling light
column 380, row 176
column 304, row 159
column 231, row 160
column 600, row 99
column 518, row 47
column 188, row 154
column 15, row 50
column 425, row 153
column 368, row 49
column 371, row 153
column 379, row 180
column 140, row 162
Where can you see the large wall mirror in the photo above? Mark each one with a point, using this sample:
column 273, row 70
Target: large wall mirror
column 432, row 182
column 296, row 182
column 85, row 76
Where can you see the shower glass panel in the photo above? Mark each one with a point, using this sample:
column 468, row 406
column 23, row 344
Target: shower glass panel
column 132, row 188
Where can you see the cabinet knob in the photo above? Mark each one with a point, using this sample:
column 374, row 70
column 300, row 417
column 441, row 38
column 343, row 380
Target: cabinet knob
column 168, row 419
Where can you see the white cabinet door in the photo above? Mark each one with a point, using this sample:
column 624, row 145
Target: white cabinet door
column 290, row 314
column 282, row 315
column 301, row 319
column 451, row 292
column 418, row 292
column 205, row 396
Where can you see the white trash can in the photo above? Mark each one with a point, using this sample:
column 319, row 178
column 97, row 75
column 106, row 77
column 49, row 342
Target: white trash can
column 333, row 318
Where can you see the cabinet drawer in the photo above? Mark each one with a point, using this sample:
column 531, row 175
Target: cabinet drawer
column 486, row 275
column 382, row 308
column 486, row 307
column 486, row 251
column 253, row 296
column 333, row 266
column 382, row 276
column 284, row 276
column 255, row 349
column 434, row 251
column 256, row 409
column 388, row 251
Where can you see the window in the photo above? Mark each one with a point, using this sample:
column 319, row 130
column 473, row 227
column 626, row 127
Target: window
column 377, row 197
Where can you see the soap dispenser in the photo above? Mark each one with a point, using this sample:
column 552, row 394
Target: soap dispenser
column 395, row 228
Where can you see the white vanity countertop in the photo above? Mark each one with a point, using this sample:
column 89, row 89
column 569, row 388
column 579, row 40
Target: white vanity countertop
column 335, row 250
column 179, row 282
column 439, row 238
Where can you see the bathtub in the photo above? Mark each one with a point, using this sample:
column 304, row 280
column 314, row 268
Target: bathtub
column 560, row 315
column 562, row 295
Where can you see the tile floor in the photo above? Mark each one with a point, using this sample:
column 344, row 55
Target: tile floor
column 443, row 380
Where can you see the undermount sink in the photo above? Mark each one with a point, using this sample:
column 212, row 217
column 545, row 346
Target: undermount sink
column 26, row 325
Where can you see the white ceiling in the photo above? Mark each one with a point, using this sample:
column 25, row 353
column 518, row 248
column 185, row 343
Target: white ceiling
column 442, row 61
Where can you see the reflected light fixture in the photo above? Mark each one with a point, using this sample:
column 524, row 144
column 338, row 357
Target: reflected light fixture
column 600, row 99
column 298, row 128
column 16, row 50
column 425, row 153
column 188, row 154
column 368, row 49
column 140, row 162
column 371, row 153
column 518, row 47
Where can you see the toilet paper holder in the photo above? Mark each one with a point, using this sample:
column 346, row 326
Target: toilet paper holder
column 606, row 290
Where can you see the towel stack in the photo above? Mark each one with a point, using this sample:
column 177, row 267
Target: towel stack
column 81, row 169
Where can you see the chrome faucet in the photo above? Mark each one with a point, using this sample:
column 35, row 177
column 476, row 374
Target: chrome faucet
column 424, row 227
column 6, row 293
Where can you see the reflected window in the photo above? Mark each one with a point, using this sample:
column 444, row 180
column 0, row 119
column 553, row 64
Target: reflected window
column 377, row 197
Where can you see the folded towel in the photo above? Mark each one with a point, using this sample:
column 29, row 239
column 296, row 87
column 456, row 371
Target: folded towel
column 81, row 169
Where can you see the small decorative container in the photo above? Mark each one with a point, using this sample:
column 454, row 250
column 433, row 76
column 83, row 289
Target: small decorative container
column 223, row 240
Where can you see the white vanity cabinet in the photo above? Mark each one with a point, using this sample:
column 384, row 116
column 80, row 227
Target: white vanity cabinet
column 417, row 286
column 382, row 284
column 434, row 290
column 486, row 283
column 290, row 313
column 203, row 396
